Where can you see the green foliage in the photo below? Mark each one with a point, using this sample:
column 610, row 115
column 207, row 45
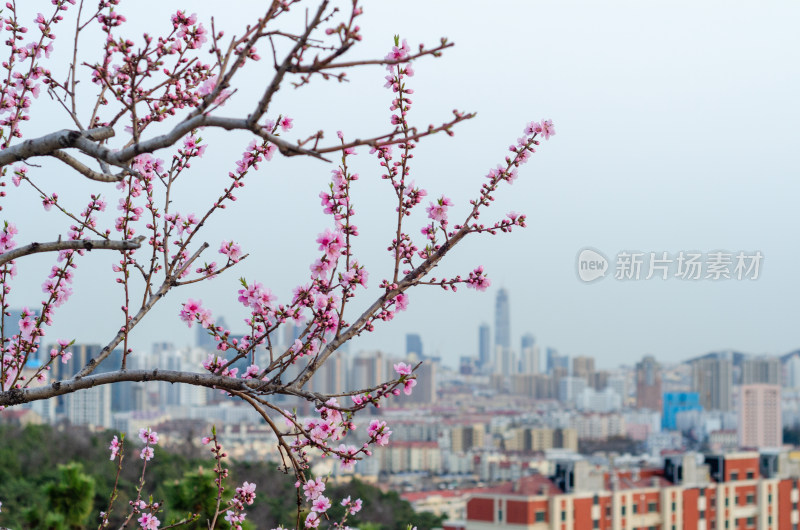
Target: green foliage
column 71, row 495
column 35, row 480
column 196, row 494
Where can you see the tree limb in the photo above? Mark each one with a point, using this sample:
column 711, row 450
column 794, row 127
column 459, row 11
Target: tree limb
column 84, row 170
column 18, row 396
column 46, row 145
column 80, row 244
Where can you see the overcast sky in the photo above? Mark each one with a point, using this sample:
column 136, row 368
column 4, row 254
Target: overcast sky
column 676, row 131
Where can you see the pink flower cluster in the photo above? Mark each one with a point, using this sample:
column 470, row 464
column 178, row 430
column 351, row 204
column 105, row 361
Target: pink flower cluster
column 149, row 438
column 319, row 503
column 7, row 237
column 245, row 495
column 193, row 310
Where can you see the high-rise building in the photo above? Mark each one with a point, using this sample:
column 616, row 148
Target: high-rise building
column 203, row 338
column 529, row 355
column 502, row 321
column 556, row 361
column 600, row 380
column 620, row 385
column 504, row 364
column 90, row 407
column 484, row 345
column 712, row 378
column 761, row 371
column 330, row 377
column 426, row 388
column 583, row 367
column 550, row 359
column 792, row 372
column 369, row 369
column 648, row 384
column 465, row 437
column 569, row 388
column 675, row 402
column 414, row 345
column 760, row 422
column 81, row 353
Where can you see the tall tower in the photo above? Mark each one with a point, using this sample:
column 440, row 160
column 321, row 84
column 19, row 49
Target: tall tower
column 648, row 384
column 529, row 355
column 484, row 345
column 503, row 356
column 712, row 378
column 502, row 321
column 414, row 345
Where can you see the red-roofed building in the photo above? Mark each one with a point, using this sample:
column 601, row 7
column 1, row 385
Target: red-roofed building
column 734, row 491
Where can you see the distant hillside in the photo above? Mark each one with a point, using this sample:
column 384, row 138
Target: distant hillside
column 736, row 357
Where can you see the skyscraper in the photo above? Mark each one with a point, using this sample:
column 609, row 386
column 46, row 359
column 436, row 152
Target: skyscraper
column 484, row 345
column 648, row 384
column 583, row 367
column 414, row 345
column 502, row 321
column 761, row 370
column 554, row 360
column 529, row 355
column 503, row 356
column 760, row 421
column 712, row 378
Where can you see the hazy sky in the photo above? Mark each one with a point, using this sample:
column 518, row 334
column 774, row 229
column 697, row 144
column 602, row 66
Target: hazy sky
column 676, row 131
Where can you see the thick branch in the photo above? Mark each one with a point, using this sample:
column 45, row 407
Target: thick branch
column 46, row 145
column 81, row 244
column 84, row 170
column 17, row 396
column 120, row 158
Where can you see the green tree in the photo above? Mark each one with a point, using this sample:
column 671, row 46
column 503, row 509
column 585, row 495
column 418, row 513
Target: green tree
column 70, row 497
column 194, row 493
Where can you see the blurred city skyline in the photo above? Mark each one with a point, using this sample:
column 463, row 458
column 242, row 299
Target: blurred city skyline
column 676, row 131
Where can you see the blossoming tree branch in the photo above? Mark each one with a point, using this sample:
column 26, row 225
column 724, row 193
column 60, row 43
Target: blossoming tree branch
column 133, row 114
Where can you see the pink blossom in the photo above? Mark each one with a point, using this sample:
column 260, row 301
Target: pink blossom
column 403, row 368
column 547, row 129
column 312, row 520
column 232, row 250
column 478, row 280
column 313, row 489
column 247, row 492
column 398, row 53
column 378, row 431
column 149, row 522
column 286, row 124
column 147, row 453
column 533, row 128
column 408, row 384
column 148, row 437
column 190, row 309
column 114, row 447
column 401, row 301
column 321, row 504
